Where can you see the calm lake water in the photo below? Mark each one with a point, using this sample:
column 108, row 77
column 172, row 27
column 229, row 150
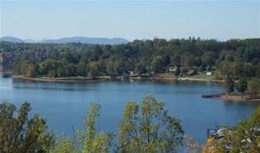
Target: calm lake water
column 64, row 105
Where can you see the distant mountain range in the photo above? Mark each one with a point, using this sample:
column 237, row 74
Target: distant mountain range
column 86, row 40
column 11, row 39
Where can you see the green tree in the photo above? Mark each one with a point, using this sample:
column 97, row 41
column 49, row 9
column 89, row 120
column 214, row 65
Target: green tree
column 70, row 70
column 31, row 70
column 158, row 64
column 119, row 67
column 17, row 69
column 237, row 57
column 188, row 60
column 61, row 70
column 257, row 72
column 81, row 68
column 208, row 58
column 191, row 145
column 93, row 69
column 245, row 138
column 65, row 144
column 249, row 70
column 241, row 85
column 226, row 69
column 238, row 69
column 149, row 128
column 253, row 87
column 140, row 68
column 88, row 141
column 229, row 84
column 20, row 133
column 197, row 61
column 93, row 142
column 110, row 67
column 176, row 60
column 48, row 65
column 177, row 71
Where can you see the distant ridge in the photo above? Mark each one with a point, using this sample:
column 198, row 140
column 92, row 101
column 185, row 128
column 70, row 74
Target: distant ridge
column 86, row 40
column 11, row 39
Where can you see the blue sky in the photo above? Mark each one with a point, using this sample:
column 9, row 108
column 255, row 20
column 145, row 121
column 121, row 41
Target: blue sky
column 130, row 19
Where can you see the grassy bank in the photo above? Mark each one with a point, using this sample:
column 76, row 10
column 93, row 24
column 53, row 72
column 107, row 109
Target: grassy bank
column 199, row 77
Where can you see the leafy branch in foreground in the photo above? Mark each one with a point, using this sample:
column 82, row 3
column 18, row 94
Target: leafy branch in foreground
column 20, row 134
column 144, row 128
column 148, row 128
column 88, row 141
column 245, row 137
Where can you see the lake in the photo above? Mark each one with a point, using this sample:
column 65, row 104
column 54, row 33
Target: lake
column 64, row 105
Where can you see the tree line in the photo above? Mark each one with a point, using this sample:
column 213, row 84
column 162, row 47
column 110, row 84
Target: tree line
column 139, row 56
column 144, row 128
column 236, row 61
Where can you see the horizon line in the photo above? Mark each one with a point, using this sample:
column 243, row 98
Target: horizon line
column 129, row 40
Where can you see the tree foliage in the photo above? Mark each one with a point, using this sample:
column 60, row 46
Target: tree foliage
column 245, row 138
column 230, row 85
column 148, row 128
column 142, row 57
column 93, row 142
column 241, row 85
column 253, row 86
column 19, row 133
column 87, row 141
column 65, row 144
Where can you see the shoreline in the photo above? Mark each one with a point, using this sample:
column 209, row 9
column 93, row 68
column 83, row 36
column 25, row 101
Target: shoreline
column 167, row 78
column 107, row 78
column 63, row 80
column 243, row 98
column 222, row 96
column 233, row 97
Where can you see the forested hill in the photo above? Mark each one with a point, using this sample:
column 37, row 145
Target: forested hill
column 234, row 58
column 11, row 39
